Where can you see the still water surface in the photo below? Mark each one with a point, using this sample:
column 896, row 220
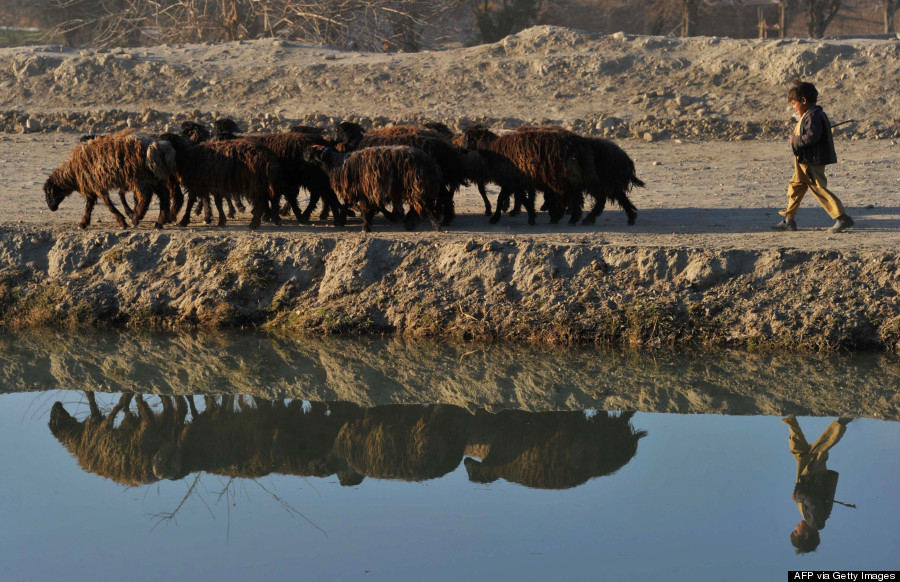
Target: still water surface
column 508, row 468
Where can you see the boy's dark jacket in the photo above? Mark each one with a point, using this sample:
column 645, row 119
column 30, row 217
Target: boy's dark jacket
column 815, row 145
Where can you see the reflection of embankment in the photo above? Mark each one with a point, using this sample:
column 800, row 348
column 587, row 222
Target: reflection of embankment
column 249, row 438
column 371, row 372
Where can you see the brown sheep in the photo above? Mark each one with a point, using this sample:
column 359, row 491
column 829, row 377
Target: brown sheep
column 231, row 168
column 296, row 171
column 198, row 133
column 554, row 450
column 351, row 136
column 614, row 173
column 560, row 163
column 374, row 177
column 126, row 161
column 139, row 451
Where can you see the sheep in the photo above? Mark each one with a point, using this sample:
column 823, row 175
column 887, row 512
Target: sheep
column 140, row 450
column 561, row 164
column 351, row 136
column 127, row 161
column 554, row 450
column 198, row 133
column 296, row 171
column 374, row 176
column 232, row 168
column 614, row 173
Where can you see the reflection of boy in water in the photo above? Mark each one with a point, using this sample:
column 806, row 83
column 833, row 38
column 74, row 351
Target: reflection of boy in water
column 816, row 485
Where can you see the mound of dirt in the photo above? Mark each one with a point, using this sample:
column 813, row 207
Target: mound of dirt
column 612, row 85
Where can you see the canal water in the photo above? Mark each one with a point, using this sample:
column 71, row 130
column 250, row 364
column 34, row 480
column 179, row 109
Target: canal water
column 239, row 457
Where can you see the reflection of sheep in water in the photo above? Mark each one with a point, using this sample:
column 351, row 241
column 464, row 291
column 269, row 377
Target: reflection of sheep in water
column 411, row 443
column 229, row 437
column 140, row 450
column 236, row 437
column 125, row 161
column 555, row 450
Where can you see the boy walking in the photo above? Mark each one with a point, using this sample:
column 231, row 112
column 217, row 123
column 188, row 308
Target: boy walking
column 813, row 148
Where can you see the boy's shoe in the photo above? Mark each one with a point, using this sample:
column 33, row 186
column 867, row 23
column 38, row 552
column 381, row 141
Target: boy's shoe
column 786, row 224
column 843, row 222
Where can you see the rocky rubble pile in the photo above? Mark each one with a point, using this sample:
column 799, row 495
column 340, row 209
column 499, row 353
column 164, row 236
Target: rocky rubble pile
column 616, row 86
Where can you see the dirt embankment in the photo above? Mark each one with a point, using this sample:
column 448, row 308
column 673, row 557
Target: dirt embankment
column 533, row 289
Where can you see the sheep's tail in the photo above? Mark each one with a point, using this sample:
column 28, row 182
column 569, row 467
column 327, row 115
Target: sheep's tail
column 161, row 159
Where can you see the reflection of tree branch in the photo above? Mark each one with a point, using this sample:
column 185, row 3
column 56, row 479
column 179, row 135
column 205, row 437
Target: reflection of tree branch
column 170, row 516
column 289, row 508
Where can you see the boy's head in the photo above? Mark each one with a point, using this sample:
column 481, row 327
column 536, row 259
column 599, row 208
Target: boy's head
column 803, row 93
column 805, row 538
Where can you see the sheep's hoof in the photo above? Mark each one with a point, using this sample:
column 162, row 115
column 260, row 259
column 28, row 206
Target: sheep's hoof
column 488, row 211
column 494, row 219
column 532, row 220
column 158, row 226
column 631, row 220
column 589, row 220
column 82, row 225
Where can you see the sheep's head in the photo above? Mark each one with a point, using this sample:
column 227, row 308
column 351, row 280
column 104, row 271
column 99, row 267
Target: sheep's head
column 347, row 132
column 54, row 194
column 194, row 131
column 439, row 127
column 323, row 156
column 227, row 126
column 477, row 137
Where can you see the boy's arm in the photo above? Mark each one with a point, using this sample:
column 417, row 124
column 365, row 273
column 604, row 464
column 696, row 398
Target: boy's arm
column 810, row 132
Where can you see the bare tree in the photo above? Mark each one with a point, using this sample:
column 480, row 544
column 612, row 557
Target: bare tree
column 498, row 19
column 363, row 24
column 819, row 14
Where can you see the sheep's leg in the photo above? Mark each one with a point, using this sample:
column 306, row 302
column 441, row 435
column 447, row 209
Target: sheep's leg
column 629, row 208
column 207, row 210
column 92, row 403
column 313, row 200
column 272, row 208
column 186, row 218
column 231, row 210
column 292, row 205
column 165, row 203
column 528, row 201
column 221, row 210
column 368, row 214
column 259, row 208
column 446, row 198
column 484, row 197
column 502, row 200
column 104, row 195
column 144, row 195
column 89, row 201
column 176, row 197
column 556, row 206
column 339, row 211
column 240, row 205
column 128, row 211
column 597, row 210
column 575, row 201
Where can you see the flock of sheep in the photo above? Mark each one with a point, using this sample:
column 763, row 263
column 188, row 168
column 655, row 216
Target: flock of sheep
column 406, row 172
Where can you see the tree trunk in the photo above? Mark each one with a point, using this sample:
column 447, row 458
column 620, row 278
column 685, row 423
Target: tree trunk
column 890, row 8
column 819, row 14
column 689, row 9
